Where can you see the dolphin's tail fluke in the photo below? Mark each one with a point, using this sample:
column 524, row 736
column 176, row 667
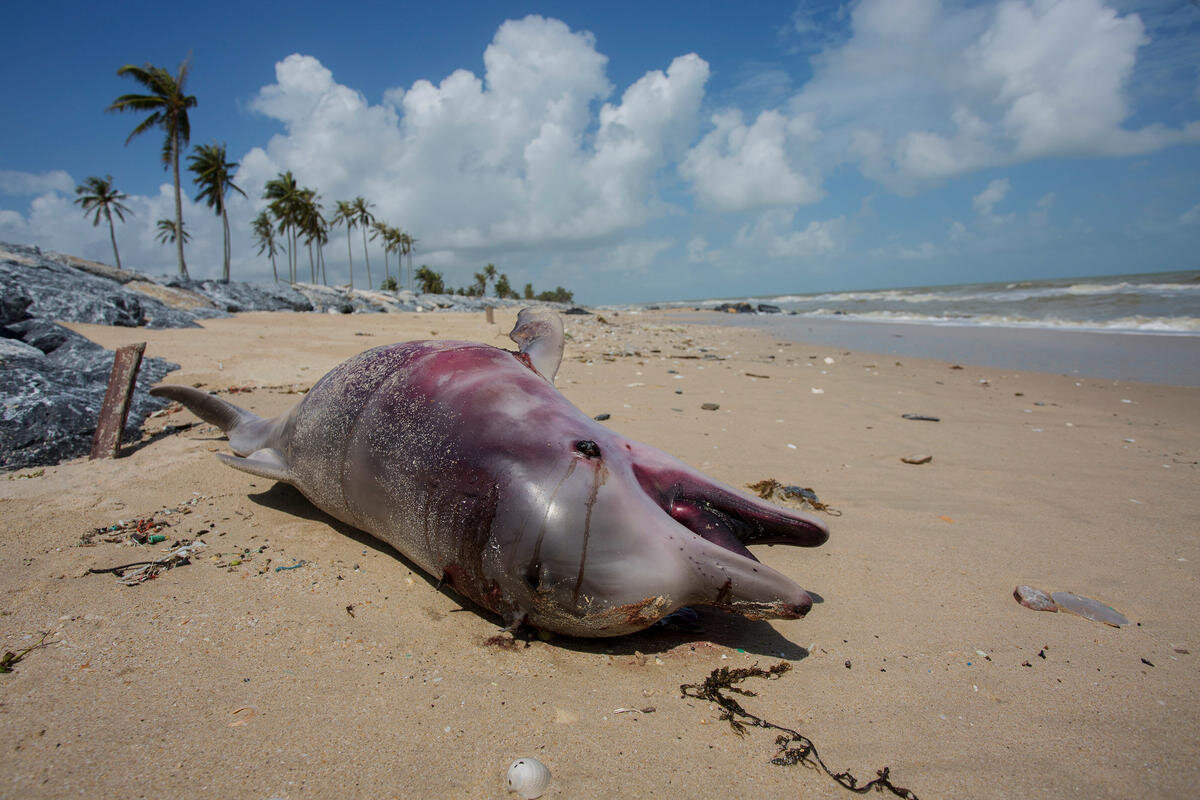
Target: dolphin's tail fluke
column 247, row 431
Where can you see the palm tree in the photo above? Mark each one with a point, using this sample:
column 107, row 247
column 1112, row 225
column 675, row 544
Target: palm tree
column 364, row 218
column 380, row 230
column 212, row 176
column 167, row 107
column 430, row 281
column 395, row 243
column 166, row 232
column 489, row 273
column 345, row 213
column 285, row 197
column 264, row 235
column 97, row 194
column 407, row 243
column 310, row 223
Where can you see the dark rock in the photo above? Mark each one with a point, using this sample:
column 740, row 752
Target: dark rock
column 14, row 303
column 767, row 308
column 735, row 308
column 577, row 310
column 59, row 291
column 52, row 384
column 236, row 296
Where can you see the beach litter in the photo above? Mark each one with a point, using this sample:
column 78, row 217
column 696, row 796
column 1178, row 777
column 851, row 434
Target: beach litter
column 147, row 570
column 1070, row 602
column 794, row 747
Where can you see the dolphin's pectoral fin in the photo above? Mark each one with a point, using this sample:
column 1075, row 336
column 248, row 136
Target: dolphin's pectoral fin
column 539, row 332
column 265, row 463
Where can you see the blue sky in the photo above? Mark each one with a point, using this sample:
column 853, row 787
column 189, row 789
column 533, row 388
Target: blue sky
column 641, row 151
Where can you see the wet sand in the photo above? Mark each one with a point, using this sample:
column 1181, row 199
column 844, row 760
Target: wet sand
column 354, row 675
column 1164, row 358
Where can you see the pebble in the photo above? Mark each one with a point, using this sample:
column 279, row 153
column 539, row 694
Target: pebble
column 922, row 458
column 709, row 406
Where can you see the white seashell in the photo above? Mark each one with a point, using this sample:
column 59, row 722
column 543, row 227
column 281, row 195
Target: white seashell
column 528, row 777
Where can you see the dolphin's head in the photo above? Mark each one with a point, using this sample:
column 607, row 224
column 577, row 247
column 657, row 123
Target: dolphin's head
column 609, row 535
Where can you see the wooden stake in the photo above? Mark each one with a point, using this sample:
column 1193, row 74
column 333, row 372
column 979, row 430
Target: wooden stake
column 107, row 441
column 491, row 314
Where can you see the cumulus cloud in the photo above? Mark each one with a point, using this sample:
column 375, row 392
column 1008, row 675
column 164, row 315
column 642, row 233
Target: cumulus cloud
column 738, row 166
column 921, row 92
column 515, row 158
column 17, row 183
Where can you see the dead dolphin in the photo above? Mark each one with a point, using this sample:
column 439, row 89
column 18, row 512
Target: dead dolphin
column 466, row 459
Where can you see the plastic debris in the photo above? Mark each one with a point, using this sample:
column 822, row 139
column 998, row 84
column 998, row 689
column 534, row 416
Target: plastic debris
column 147, row 570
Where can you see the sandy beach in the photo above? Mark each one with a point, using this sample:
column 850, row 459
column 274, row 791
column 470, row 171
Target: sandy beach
column 354, row 675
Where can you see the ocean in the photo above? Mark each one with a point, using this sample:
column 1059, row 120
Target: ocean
column 1167, row 302
column 1126, row 327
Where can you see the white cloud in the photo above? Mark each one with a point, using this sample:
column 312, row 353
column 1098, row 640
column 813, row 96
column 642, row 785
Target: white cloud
column 921, row 92
column 1191, row 216
column 737, row 167
column 986, row 201
column 513, row 159
column 13, row 182
column 774, row 234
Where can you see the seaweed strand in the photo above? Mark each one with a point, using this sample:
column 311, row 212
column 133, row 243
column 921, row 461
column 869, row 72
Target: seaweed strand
column 794, row 747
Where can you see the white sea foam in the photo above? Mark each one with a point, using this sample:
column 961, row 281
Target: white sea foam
column 1189, row 326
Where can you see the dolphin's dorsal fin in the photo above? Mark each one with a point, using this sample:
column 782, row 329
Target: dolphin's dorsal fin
column 539, row 333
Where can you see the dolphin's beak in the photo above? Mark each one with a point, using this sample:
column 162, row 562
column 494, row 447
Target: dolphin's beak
column 726, row 573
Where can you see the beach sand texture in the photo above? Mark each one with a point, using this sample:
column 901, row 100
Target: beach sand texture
column 354, row 675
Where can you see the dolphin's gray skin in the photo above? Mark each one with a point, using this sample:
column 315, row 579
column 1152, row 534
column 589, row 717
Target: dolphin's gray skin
column 465, row 458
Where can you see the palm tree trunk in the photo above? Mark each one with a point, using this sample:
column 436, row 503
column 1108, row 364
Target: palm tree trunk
column 366, row 257
column 274, row 269
column 312, row 265
column 112, row 234
column 321, row 253
column 350, row 254
column 183, row 273
column 225, row 223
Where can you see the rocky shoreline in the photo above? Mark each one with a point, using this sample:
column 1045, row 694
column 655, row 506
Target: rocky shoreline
column 52, row 380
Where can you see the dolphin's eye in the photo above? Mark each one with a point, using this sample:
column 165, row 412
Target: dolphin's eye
column 588, row 448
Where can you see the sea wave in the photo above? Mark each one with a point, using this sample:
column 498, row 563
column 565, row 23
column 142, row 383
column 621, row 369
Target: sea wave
column 1187, row 326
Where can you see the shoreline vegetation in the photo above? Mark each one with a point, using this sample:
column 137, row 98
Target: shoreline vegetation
column 294, row 218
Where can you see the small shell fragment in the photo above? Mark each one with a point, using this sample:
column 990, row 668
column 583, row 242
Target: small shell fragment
column 1034, row 598
column 528, row 777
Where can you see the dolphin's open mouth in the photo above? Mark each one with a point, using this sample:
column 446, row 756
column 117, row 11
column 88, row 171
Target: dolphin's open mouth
column 729, row 522
column 726, row 519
